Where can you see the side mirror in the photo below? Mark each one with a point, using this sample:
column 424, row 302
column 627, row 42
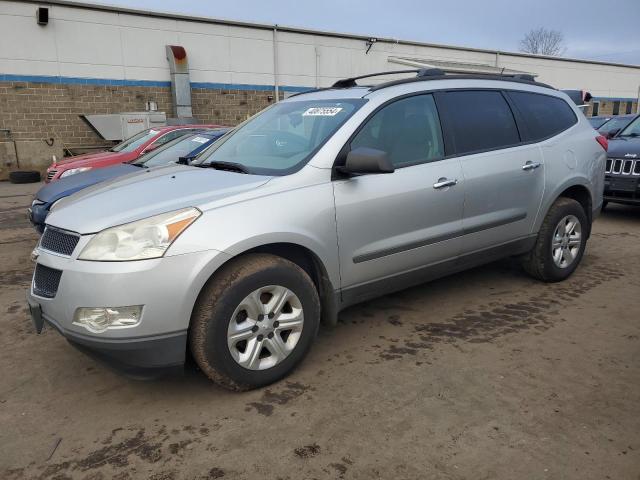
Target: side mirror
column 612, row 133
column 363, row 160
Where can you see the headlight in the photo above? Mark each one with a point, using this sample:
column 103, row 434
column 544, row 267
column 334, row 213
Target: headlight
column 143, row 239
column 73, row 171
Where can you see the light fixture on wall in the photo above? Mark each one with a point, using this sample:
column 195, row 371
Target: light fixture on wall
column 370, row 43
column 42, row 16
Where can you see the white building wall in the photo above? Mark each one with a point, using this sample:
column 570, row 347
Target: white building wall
column 112, row 45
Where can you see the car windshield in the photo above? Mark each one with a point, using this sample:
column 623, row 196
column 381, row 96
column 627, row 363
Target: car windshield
column 173, row 150
column 130, row 144
column 616, row 123
column 631, row 130
column 597, row 122
column 282, row 138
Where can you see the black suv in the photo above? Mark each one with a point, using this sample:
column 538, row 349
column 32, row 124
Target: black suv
column 622, row 180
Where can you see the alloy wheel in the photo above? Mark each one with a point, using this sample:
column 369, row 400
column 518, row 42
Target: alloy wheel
column 265, row 327
column 567, row 241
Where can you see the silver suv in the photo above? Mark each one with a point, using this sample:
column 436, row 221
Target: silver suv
column 321, row 201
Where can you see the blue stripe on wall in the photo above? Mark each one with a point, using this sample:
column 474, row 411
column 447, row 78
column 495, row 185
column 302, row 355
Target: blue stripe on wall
column 615, row 99
column 142, row 83
column 203, row 85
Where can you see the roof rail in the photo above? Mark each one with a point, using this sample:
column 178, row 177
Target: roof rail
column 437, row 74
column 428, row 74
column 420, row 73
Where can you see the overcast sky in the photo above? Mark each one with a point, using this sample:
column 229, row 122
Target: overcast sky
column 606, row 30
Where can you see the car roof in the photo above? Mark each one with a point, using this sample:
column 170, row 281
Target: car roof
column 442, row 83
column 167, row 128
column 350, row 88
column 208, row 132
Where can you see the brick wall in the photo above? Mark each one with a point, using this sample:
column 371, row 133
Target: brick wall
column 228, row 107
column 606, row 108
column 35, row 111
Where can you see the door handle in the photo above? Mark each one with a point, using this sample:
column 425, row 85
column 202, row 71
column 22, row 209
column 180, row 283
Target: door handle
column 530, row 166
column 444, row 182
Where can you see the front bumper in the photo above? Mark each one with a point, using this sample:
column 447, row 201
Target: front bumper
column 166, row 287
column 622, row 188
column 141, row 357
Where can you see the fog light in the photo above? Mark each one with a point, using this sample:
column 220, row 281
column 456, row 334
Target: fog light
column 98, row 320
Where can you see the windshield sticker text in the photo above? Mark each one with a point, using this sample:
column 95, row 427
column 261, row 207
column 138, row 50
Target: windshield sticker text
column 322, row 112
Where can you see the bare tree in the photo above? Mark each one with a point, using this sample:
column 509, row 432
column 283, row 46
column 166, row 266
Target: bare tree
column 543, row 42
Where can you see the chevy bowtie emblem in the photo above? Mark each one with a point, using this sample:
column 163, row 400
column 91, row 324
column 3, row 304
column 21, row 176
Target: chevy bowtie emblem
column 630, row 155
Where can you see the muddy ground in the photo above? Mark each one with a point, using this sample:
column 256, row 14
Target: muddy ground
column 487, row 374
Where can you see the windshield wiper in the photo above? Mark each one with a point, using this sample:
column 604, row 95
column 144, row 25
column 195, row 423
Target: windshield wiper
column 227, row 166
column 634, row 134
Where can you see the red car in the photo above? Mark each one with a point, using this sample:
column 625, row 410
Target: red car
column 126, row 151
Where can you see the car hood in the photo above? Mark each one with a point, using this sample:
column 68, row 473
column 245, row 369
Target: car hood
column 621, row 146
column 67, row 185
column 89, row 158
column 149, row 192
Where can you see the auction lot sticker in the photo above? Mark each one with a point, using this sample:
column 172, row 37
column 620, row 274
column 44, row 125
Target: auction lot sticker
column 322, row 112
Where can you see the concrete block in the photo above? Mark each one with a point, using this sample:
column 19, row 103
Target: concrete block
column 37, row 154
column 7, row 159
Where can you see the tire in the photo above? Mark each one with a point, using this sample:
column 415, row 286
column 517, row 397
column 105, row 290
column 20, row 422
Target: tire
column 24, row 176
column 539, row 262
column 221, row 307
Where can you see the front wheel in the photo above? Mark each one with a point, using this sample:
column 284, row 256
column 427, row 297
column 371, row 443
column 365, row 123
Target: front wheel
column 254, row 321
column 560, row 243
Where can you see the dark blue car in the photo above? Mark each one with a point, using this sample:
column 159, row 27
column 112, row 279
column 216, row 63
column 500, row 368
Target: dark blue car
column 182, row 149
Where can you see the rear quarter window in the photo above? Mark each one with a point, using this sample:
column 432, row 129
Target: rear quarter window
column 543, row 115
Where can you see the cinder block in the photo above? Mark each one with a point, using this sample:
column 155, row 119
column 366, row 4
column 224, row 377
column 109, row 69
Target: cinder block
column 7, row 159
column 37, row 154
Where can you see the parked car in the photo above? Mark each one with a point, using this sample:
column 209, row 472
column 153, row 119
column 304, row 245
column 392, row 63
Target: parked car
column 184, row 148
column 615, row 125
column 622, row 178
column 321, row 201
column 129, row 150
column 597, row 122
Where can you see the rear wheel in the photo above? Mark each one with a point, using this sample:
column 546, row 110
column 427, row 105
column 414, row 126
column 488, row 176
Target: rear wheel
column 560, row 243
column 254, row 321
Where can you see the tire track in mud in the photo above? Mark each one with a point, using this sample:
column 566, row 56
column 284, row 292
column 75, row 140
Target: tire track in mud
column 495, row 319
column 128, row 451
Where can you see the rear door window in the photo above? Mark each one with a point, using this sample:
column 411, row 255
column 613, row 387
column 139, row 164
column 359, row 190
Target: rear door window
column 544, row 116
column 479, row 120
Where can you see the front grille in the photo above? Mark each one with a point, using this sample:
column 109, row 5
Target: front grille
column 51, row 174
column 46, row 281
column 621, row 166
column 59, row 241
column 617, row 166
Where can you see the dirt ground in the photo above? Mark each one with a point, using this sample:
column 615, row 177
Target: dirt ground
column 485, row 374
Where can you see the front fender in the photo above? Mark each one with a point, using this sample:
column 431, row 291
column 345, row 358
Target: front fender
column 303, row 216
